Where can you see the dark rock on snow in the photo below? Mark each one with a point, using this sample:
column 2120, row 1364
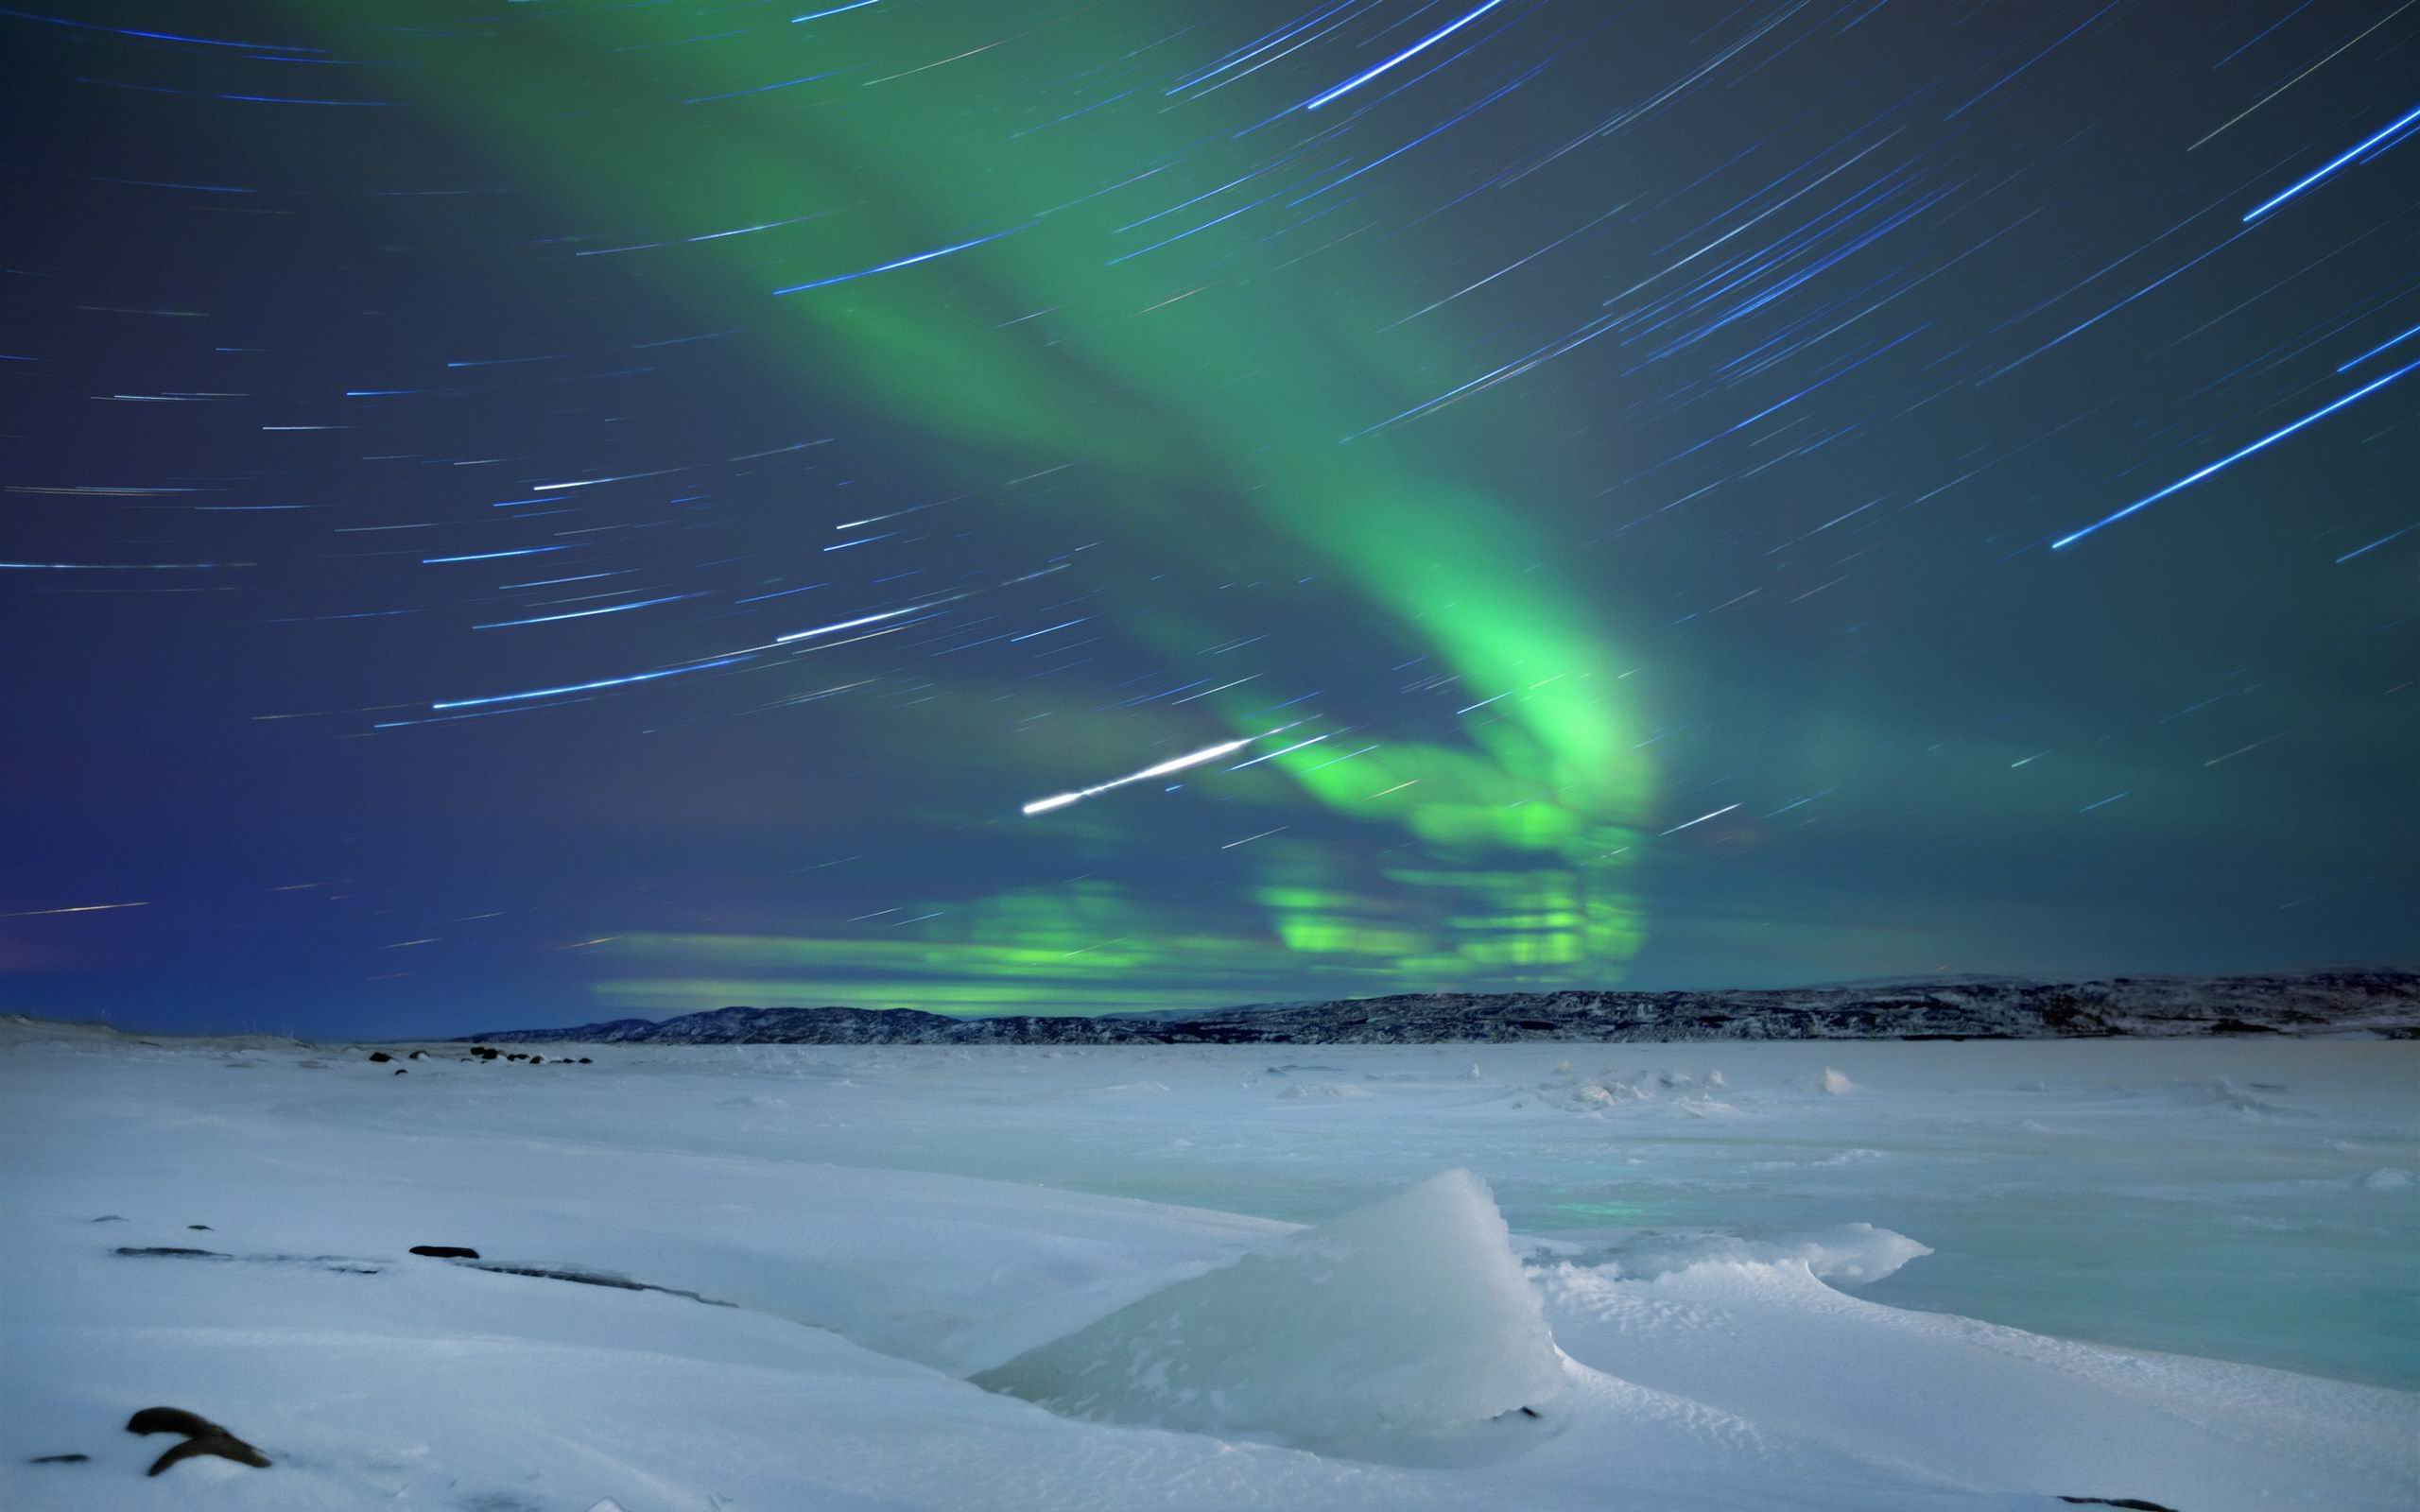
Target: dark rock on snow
column 203, row 1437
column 171, row 1420
column 58, row 1459
column 446, row 1251
column 223, row 1445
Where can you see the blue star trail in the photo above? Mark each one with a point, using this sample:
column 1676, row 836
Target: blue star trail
column 1530, row 493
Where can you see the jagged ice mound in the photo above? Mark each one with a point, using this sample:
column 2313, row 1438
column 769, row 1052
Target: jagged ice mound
column 1407, row 1319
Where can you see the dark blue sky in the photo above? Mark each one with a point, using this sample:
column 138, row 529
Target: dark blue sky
column 526, row 514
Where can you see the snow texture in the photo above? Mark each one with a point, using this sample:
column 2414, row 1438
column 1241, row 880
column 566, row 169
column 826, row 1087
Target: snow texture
column 725, row 1279
column 1853, row 1254
column 1407, row 1318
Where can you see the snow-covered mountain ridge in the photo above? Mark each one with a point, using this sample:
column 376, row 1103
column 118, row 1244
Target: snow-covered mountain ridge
column 2379, row 1003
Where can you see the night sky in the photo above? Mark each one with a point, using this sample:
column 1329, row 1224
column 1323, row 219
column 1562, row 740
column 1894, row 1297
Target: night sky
column 527, row 513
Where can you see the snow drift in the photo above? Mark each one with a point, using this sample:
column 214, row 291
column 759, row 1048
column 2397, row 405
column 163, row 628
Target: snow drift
column 1407, row 1318
column 887, row 1222
column 1849, row 1254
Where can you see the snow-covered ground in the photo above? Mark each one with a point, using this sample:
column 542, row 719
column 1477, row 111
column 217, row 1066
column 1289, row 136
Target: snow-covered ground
column 1733, row 1276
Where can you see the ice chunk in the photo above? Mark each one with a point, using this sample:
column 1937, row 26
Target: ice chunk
column 1849, row 1254
column 1407, row 1318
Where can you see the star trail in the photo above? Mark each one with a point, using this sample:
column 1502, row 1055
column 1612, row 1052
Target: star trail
column 1532, row 493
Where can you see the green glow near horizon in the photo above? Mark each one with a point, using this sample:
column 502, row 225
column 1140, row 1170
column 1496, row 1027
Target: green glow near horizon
column 1199, row 383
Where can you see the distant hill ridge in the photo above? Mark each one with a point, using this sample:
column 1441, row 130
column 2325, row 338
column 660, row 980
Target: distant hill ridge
column 2319, row 1002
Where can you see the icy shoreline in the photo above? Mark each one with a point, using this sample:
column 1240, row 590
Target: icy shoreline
column 1711, row 1258
column 2314, row 1004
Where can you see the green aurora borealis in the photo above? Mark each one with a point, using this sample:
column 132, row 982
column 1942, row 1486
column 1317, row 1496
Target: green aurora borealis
column 540, row 511
column 1195, row 402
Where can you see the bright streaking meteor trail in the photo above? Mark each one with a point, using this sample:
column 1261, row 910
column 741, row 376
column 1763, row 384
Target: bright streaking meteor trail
column 2329, row 168
column 819, row 15
column 1208, row 753
column 2233, row 458
column 1420, row 46
column 1700, row 819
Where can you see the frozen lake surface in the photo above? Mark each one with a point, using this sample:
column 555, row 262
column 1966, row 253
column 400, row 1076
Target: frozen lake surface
column 1818, row 1274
